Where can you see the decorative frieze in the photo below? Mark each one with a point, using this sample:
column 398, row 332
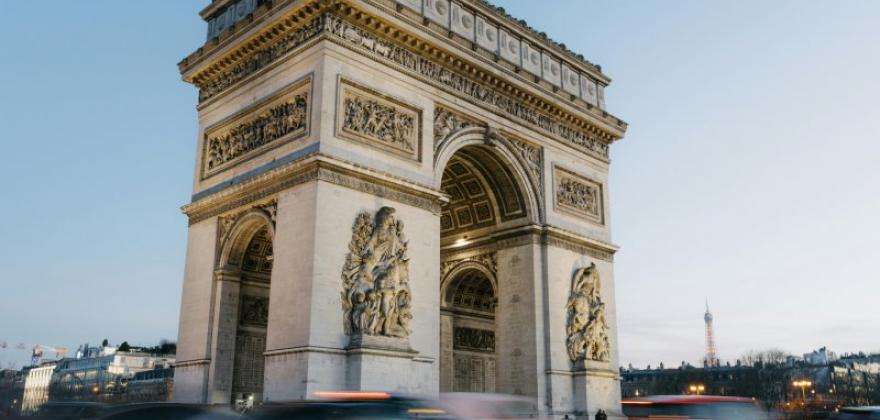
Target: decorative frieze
column 257, row 128
column 375, row 278
column 473, row 339
column 378, row 120
column 586, row 326
column 578, row 195
column 482, row 94
column 215, row 83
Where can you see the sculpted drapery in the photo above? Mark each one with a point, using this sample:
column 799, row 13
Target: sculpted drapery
column 586, row 325
column 376, row 294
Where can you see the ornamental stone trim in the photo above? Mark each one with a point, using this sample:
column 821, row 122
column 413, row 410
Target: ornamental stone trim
column 376, row 298
column 378, row 120
column 578, row 195
column 352, row 36
column 276, row 120
column 269, row 49
column 291, row 177
column 447, row 123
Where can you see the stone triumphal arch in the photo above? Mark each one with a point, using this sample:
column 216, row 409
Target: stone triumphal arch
column 401, row 195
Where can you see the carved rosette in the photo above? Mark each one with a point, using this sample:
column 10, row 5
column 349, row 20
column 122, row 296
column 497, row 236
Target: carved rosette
column 375, row 294
column 587, row 329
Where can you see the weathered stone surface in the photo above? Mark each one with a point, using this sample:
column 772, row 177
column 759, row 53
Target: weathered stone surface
column 497, row 173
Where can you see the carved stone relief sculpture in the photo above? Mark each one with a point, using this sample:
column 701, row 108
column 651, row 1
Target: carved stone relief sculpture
column 578, row 195
column 254, row 128
column 379, row 121
column 376, row 295
column 587, row 328
column 447, row 122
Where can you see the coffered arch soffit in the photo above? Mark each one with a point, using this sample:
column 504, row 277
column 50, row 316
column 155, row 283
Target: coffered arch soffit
column 498, row 162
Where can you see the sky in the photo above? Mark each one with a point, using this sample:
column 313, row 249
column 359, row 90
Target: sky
column 748, row 176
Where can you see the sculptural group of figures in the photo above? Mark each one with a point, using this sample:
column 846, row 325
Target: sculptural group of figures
column 376, row 295
column 380, row 121
column 578, row 195
column 272, row 124
column 587, row 328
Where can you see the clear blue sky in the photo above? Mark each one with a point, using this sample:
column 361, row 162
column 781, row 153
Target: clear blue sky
column 749, row 174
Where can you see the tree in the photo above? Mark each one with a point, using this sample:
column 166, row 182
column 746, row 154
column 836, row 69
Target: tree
column 124, row 346
column 771, row 356
column 105, row 343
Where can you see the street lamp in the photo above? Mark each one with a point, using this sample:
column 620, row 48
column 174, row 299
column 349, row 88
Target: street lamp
column 697, row 388
column 803, row 385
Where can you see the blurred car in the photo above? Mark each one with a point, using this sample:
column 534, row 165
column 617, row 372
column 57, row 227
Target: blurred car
column 692, row 407
column 471, row 405
column 853, row 413
column 70, row 410
column 352, row 405
column 170, row 411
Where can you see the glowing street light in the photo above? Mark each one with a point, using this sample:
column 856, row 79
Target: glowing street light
column 803, row 384
column 697, row 388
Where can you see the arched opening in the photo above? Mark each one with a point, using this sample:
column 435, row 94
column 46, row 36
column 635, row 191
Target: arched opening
column 253, row 317
column 468, row 308
column 244, row 274
column 485, row 198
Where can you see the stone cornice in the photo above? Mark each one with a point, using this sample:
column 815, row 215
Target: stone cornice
column 209, row 69
column 534, row 234
column 313, row 167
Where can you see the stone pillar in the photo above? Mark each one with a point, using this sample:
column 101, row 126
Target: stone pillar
column 193, row 345
column 447, row 374
column 519, row 332
column 223, row 337
column 307, row 348
column 583, row 387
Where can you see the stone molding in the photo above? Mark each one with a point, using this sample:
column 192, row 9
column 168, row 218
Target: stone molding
column 308, row 169
column 489, row 260
column 191, row 363
column 378, row 120
column 492, row 28
column 599, row 373
column 533, row 234
column 225, row 223
column 477, row 86
column 578, row 195
column 273, row 121
column 589, row 139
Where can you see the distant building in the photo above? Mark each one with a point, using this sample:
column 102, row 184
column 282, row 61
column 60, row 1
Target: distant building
column 36, row 387
column 151, row 385
column 822, row 356
column 103, row 378
column 830, row 382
